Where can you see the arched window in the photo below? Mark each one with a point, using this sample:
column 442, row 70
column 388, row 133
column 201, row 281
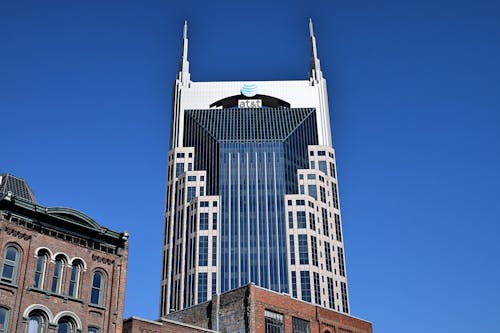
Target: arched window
column 97, row 292
column 4, row 320
column 66, row 325
column 93, row 329
column 57, row 277
column 41, row 262
column 37, row 323
column 74, row 279
column 10, row 264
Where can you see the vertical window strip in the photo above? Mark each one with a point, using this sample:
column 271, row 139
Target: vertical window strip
column 203, row 251
column 338, row 229
column 303, row 250
column 39, row 271
column 56, row 278
column 328, row 257
column 314, row 250
column 331, row 293
column 292, row 250
column 202, row 287
column 343, row 290
column 317, row 289
column 214, row 251
column 305, row 285
column 340, row 253
column 294, row 284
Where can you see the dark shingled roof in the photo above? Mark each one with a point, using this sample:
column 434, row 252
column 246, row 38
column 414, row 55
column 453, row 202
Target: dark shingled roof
column 19, row 187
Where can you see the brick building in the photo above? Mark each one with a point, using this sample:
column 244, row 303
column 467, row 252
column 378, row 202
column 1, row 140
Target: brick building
column 252, row 309
column 60, row 271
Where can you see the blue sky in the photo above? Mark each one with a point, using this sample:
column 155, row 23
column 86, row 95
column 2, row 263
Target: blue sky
column 85, row 98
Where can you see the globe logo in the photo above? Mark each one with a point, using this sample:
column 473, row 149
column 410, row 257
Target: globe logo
column 249, row 90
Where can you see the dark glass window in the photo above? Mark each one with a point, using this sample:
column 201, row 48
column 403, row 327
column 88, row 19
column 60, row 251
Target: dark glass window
column 214, row 283
column 332, row 170
column 343, row 290
column 340, row 253
column 312, row 221
column 10, row 264
column 179, row 169
column 292, row 250
column 191, row 178
column 4, row 320
column 214, row 250
column 36, row 323
column 322, row 167
column 290, row 220
column 203, row 221
column 57, row 276
column 97, row 292
column 328, row 257
column 301, row 219
column 324, row 217
column 191, row 193
column 312, row 191
column 317, row 289
column 273, row 322
column 314, row 250
column 311, row 176
column 294, row 284
column 203, row 251
column 202, row 287
column 66, row 325
column 335, row 196
column 74, row 280
column 41, row 261
column 214, row 221
column 338, row 229
column 300, row 325
column 322, row 194
column 331, row 294
column 305, row 285
column 303, row 254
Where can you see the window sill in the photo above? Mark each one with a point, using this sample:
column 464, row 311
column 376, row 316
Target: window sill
column 5, row 283
column 96, row 306
column 49, row 293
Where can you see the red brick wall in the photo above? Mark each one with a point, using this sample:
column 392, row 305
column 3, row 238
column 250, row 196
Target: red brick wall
column 136, row 325
column 320, row 319
column 109, row 317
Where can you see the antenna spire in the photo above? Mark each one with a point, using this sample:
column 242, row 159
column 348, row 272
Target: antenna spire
column 184, row 63
column 314, row 64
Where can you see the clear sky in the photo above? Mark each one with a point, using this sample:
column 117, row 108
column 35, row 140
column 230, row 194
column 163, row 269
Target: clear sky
column 85, row 99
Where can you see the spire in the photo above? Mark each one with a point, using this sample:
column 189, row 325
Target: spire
column 184, row 63
column 314, row 64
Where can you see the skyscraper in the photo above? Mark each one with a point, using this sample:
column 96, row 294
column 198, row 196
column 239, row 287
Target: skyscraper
column 252, row 192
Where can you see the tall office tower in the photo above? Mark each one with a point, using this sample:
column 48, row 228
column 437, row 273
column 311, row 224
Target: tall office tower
column 252, row 191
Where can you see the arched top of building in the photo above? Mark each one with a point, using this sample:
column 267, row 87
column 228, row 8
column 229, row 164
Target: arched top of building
column 232, row 101
column 75, row 216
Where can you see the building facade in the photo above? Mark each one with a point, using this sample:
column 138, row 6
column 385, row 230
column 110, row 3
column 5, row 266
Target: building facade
column 252, row 194
column 252, row 309
column 60, row 271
